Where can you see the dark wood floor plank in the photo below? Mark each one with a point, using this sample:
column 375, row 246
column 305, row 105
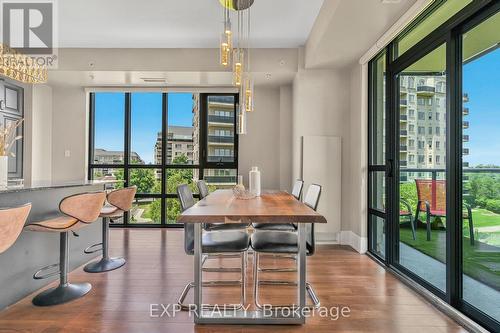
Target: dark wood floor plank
column 157, row 269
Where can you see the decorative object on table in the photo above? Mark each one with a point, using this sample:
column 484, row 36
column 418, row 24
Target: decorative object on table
column 254, row 181
column 240, row 192
column 8, row 137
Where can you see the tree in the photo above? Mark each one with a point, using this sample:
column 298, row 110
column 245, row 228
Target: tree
column 144, row 179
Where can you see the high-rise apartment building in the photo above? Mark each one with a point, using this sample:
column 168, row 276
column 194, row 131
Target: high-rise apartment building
column 423, row 123
column 179, row 143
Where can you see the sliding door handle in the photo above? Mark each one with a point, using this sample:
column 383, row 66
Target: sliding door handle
column 390, row 168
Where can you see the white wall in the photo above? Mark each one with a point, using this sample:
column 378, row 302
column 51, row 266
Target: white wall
column 321, row 107
column 285, row 127
column 41, row 135
column 69, row 133
column 261, row 146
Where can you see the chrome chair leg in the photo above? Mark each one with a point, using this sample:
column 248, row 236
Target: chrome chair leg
column 219, row 283
column 256, row 269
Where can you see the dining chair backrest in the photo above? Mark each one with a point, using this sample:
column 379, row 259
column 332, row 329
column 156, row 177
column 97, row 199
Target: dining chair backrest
column 203, row 189
column 12, row 221
column 311, row 200
column 84, row 207
column 122, row 198
column 186, row 200
column 297, row 188
column 433, row 192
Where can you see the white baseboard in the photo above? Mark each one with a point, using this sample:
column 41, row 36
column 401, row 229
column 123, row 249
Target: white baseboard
column 327, row 238
column 360, row 244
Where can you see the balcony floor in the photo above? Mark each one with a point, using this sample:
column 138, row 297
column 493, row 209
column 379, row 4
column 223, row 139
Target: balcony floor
column 157, row 270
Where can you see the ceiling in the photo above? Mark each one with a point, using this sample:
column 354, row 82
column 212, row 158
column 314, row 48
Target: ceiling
column 178, row 23
column 346, row 29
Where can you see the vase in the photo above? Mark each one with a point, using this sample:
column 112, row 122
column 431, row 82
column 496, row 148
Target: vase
column 4, row 170
column 254, row 181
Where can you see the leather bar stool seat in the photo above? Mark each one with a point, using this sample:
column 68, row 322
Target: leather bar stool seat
column 118, row 202
column 76, row 211
column 12, row 221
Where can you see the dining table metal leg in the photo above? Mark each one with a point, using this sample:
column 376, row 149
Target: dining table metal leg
column 301, row 263
column 198, row 271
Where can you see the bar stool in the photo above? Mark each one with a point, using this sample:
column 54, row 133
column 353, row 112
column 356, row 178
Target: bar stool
column 284, row 242
column 214, row 242
column 204, row 192
column 119, row 201
column 77, row 211
column 296, row 192
column 11, row 224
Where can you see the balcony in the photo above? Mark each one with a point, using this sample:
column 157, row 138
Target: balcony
column 465, row 151
column 426, row 90
column 403, row 117
column 403, row 148
column 403, row 102
column 216, row 158
column 220, row 179
column 465, row 138
column 403, row 163
column 466, row 124
column 466, row 111
column 220, row 139
column 403, row 132
column 220, row 119
column 466, row 98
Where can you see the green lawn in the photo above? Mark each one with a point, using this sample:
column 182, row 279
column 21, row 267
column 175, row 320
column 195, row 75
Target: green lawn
column 481, row 261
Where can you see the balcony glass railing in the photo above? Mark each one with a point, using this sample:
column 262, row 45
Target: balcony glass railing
column 426, row 89
column 215, row 158
column 220, row 139
column 220, row 119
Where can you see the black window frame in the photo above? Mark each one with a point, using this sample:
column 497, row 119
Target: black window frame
column 450, row 32
column 164, row 167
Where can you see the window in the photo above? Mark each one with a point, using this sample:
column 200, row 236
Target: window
column 411, row 113
column 438, row 159
column 411, row 143
column 438, row 145
column 429, row 131
column 438, row 130
column 430, row 116
column 411, row 128
column 421, row 115
column 421, row 159
column 421, row 130
column 421, row 145
column 132, row 142
column 430, row 158
column 412, row 98
column 437, row 116
column 411, row 84
column 412, row 158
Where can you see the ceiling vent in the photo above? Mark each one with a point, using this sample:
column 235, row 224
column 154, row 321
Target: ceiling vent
column 154, row 80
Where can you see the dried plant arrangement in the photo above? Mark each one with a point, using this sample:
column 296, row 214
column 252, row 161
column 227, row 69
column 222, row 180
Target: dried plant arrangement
column 8, row 137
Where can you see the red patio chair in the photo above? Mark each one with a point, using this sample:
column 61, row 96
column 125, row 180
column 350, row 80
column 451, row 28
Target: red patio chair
column 432, row 200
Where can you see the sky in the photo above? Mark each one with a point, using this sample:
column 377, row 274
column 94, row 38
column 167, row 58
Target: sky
column 146, row 118
column 481, row 80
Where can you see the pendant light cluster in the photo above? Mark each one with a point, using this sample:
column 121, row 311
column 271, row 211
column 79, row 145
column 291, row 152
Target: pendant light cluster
column 238, row 54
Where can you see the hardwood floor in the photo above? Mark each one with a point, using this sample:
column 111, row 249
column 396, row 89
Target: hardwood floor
column 157, row 269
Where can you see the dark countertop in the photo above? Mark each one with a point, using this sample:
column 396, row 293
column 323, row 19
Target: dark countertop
column 36, row 186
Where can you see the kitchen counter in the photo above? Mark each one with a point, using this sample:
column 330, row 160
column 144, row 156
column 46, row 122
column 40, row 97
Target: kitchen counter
column 33, row 250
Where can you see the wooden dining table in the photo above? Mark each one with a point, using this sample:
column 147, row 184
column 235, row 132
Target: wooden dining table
column 222, row 206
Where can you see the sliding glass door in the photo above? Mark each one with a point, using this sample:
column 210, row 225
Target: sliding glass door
column 480, row 188
column 421, row 156
column 434, row 161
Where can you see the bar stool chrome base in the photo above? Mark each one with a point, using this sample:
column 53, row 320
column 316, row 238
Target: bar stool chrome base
column 61, row 294
column 104, row 265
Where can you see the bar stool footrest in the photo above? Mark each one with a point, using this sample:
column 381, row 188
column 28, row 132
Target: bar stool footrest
column 38, row 276
column 92, row 248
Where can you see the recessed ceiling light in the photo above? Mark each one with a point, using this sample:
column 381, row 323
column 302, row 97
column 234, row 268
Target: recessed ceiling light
column 268, row 76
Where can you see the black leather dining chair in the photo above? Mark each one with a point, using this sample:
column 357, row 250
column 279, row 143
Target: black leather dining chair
column 214, row 242
column 296, row 192
column 284, row 242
